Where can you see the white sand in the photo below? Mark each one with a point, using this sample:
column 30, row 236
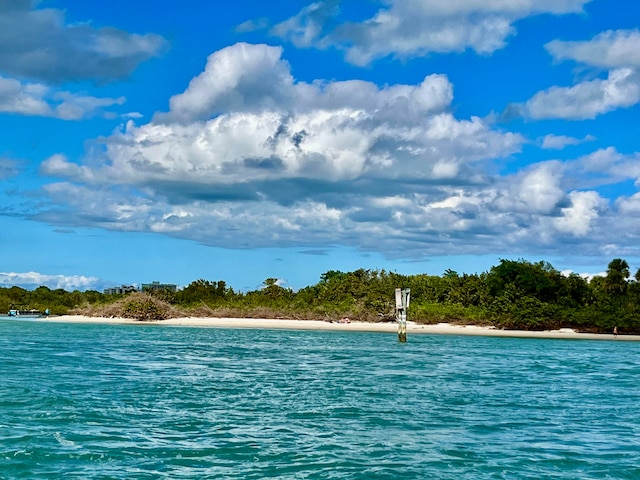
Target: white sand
column 412, row 328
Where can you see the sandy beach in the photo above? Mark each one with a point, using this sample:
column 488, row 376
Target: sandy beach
column 391, row 328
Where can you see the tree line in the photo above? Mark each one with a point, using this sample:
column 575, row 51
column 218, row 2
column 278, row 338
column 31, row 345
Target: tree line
column 515, row 294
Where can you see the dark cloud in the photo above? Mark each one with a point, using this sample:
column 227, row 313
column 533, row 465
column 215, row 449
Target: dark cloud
column 271, row 163
column 8, row 168
column 371, row 215
column 281, row 131
column 179, row 193
column 15, row 5
column 318, row 252
column 298, row 137
column 512, row 111
column 36, row 43
column 282, row 134
column 144, row 165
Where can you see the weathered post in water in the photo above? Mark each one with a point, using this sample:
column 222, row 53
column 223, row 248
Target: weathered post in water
column 402, row 305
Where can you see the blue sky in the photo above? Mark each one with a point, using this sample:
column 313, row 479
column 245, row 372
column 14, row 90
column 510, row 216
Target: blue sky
column 173, row 141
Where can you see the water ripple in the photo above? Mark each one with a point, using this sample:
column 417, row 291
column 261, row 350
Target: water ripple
column 97, row 401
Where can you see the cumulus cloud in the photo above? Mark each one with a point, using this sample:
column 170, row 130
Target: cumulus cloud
column 610, row 166
column 587, row 100
column 27, row 99
column 538, row 189
column 618, row 52
column 30, row 280
column 385, row 168
column 410, row 28
column 241, row 77
column 630, row 205
column 601, row 160
column 611, row 49
column 224, row 130
column 579, row 215
column 37, row 43
column 35, row 99
column 254, row 78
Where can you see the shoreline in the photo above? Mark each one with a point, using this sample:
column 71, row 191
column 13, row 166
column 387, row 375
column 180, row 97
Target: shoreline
column 391, row 327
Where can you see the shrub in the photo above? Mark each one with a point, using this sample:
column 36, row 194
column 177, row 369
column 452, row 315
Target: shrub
column 139, row 306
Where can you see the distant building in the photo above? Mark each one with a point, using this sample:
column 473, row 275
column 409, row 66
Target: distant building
column 120, row 290
column 154, row 286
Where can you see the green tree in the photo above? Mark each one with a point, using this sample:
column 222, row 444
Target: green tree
column 617, row 275
column 539, row 280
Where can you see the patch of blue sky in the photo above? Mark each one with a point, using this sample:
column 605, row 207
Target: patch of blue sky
column 534, row 155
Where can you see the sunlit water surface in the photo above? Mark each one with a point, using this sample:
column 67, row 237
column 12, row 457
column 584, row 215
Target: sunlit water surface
column 104, row 401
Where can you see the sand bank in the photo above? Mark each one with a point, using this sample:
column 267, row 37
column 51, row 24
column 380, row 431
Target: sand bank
column 412, row 328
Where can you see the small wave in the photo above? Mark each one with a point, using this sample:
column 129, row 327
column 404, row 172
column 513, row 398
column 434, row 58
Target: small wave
column 63, row 441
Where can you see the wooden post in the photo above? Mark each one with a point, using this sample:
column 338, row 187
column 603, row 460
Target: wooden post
column 402, row 329
column 402, row 305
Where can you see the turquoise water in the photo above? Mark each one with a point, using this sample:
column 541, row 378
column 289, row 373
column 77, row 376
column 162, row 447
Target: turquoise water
column 108, row 401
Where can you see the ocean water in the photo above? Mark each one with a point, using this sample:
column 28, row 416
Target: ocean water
column 82, row 401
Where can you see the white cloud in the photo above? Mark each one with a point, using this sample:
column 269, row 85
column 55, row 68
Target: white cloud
column 235, row 78
column 252, row 25
column 558, row 142
column 611, row 49
column 539, row 188
column 35, row 99
column 35, row 279
column 254, row 78
column 409, row 28
column 305, row 28
column 601, row 160
column 320, row 144
column 587, row 276
column 577, row 218
column 71, row 106
column 619, row 52
column 134, row 115
column 25, row 99
column 611, row 165
column 586, row 100
column 58, row 165
column 385, row 168
column 630, row 205
column 223, row 130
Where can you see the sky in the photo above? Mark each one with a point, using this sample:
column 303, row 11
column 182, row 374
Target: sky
column 173, row 141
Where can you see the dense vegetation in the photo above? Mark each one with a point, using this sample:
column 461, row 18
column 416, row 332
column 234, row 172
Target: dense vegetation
column 513, row 294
